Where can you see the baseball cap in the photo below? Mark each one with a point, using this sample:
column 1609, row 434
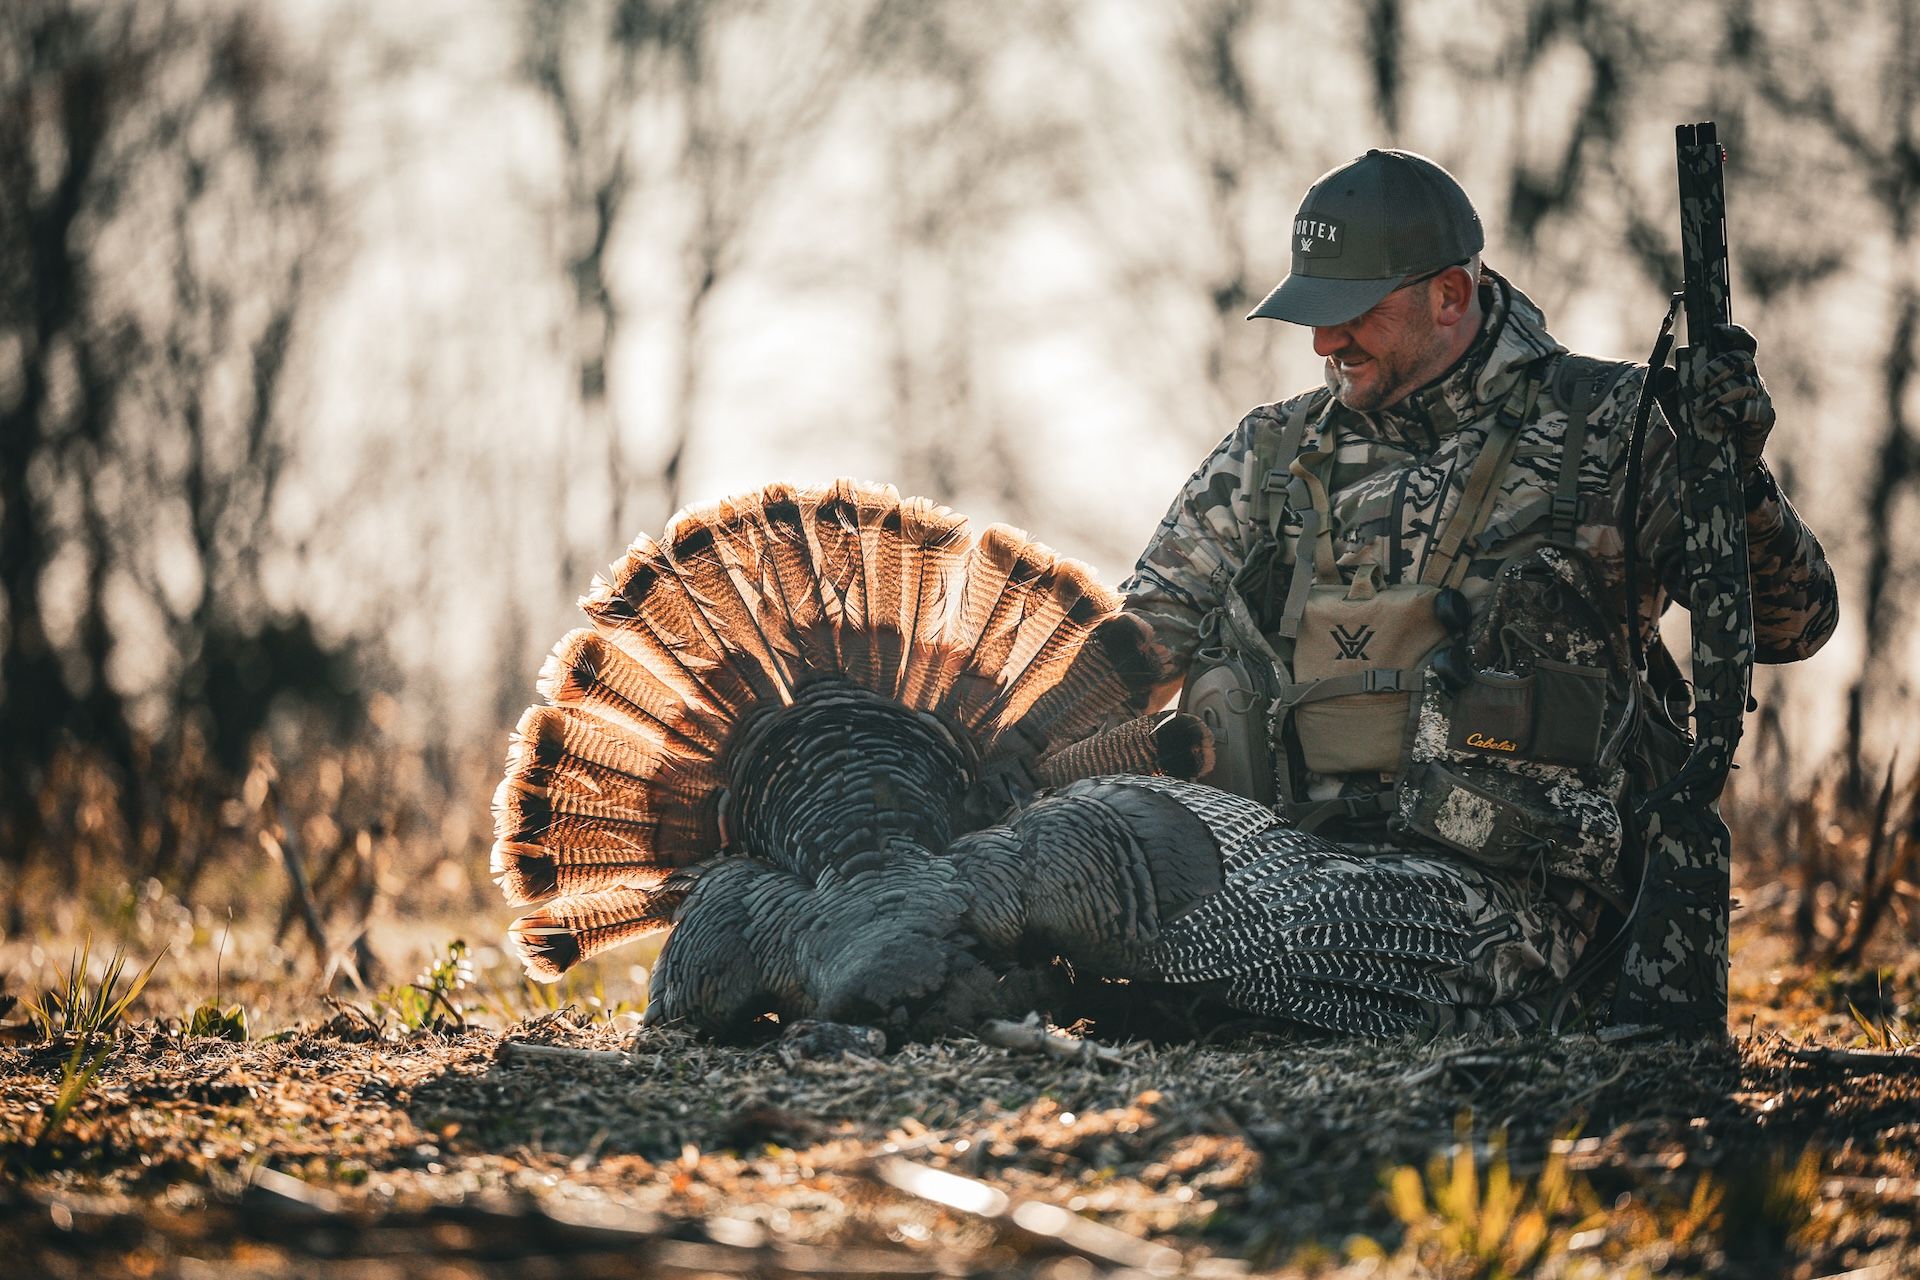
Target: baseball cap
column 1365, row 229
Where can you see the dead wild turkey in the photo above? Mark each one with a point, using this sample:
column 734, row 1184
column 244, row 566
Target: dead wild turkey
column 805, row 732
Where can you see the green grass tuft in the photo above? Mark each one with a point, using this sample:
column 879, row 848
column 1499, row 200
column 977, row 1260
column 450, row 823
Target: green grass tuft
column 81, row 1007
column 434, row 995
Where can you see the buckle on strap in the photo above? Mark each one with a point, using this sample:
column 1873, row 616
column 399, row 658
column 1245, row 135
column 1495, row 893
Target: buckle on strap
column 1276, row 481
column 1376, row 680
column 1566, row 510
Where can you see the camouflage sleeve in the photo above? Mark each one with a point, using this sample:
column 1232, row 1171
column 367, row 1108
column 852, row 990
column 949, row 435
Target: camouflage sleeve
column 1797, row 607
column 1200, row 545
column 1795, row 602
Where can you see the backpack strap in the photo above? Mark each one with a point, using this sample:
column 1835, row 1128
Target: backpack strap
column 1445, row 566
column 1311, row 815
column 1313, row 556
column 1579, row 383
column 1262, row 581
column 1374, row 680
column 1268, row 501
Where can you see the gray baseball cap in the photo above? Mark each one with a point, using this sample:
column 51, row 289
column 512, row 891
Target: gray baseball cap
column 1367, row 228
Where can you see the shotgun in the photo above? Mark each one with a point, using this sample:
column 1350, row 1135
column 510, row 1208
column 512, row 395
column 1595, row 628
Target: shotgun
column 1674, row 973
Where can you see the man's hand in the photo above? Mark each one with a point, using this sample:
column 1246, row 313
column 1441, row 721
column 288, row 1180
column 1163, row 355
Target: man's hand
column 1730, row 389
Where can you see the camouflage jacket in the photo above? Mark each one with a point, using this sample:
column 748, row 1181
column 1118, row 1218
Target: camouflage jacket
column 1399, row 473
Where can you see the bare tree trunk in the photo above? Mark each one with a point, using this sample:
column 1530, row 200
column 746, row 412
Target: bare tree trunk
column 38, row 219
column 591, row 117
column 287, row 848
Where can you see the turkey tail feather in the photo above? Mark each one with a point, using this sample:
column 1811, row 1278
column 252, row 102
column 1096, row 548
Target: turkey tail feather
column 716, row 556
column 1117, row 667
column 936, row 549
column 793, row 570
column 587, row 671
column 995, row 577
column 843, row 577
column 580, row 808
column 645, row 607
column 568, row 930
column 882, row 554
column 1074, row 601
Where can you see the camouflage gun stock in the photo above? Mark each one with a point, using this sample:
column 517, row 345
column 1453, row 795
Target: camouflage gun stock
column 1675, row 968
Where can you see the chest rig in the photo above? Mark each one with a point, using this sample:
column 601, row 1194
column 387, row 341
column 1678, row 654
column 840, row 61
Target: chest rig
column 1491, row 728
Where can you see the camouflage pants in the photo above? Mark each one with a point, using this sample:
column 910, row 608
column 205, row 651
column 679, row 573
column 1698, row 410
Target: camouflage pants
column 1527, row 939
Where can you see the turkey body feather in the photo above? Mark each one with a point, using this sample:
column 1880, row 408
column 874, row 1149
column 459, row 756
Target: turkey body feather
column 806, row 731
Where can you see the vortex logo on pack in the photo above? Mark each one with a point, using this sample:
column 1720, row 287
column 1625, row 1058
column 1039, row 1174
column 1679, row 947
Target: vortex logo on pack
column 1318, row 237
column 1352, row 644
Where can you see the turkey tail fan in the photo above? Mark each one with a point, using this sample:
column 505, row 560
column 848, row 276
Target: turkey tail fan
column 1071, row 606
column 567, row 930
column 586, row 670
column 806, row 675
column 791, row 560
column 580, row 808
column 982, row 576
column 834, row 520
column 883, row 557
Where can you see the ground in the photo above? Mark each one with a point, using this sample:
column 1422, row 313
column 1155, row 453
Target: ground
column 376, row 1139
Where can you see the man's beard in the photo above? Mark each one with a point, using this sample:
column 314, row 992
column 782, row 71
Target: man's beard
column 1379, row 384
column 1383, row 380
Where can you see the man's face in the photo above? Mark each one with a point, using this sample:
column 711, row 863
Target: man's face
column 1382, row 356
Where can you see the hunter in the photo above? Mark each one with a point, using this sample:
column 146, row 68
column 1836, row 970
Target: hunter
column 1403, row 600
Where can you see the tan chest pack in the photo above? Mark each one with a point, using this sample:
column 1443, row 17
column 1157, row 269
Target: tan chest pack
column 1345, row 683
column 1358, row 647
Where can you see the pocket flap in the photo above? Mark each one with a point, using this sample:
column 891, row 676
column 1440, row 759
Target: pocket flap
column 1570, row 707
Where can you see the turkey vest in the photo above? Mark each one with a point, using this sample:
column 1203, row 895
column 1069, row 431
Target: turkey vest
column 1495, row 731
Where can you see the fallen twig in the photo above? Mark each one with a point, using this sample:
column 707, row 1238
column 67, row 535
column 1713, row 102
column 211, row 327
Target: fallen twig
column 1034, row 1218
column 528, row 1051
column 1031, row 1037
column 1579, row 1099
column 1859, row 1061
column 286, row 850
column 282, row 1192
column 1458, row 1061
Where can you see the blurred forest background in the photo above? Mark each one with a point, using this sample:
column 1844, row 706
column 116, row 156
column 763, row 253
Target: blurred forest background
column 340, row 344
